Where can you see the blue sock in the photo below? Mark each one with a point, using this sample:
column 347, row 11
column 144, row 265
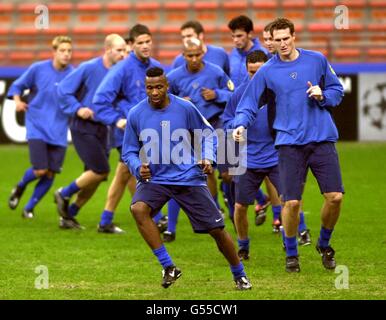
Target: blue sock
column 324, row 238
column 68, row 191
column 173, row 211
column 157, row 217
column 291, row 246
column 163, row 257
column 41, row 189
column 276, row 212
column 238, row 271
column 215, row 198
column 260, row 197
column 243, row 244
column 73, row 209
column 106, row 217
column 27, row 178
column 302, row 223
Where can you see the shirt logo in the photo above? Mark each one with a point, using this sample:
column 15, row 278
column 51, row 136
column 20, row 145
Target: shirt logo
column 138, row 83
column 230, row 85
column 195, row 85
column 294, row 75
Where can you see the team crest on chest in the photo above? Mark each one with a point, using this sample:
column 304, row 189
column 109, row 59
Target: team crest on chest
column 195, row 85
column 294, row 75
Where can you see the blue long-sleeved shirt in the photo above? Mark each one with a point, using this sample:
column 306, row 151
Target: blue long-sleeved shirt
column 237, row 60
column 120, row 90
column 165, row 136
column 184, row 83
column 261, row 152
column 215, row 55
column 299, row 119
column 44, row 119
column 77, row 90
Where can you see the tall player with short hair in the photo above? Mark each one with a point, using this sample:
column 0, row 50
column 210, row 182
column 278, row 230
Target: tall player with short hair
column 46, row 124
column 304, row 86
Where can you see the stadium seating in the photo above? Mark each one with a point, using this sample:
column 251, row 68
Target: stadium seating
column 88, row 21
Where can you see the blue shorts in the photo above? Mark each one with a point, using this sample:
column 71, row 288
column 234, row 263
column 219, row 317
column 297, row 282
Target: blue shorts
column 45, row 156
column 248, row 183
column 92, row 149
column 321, row 158
column 196, row 201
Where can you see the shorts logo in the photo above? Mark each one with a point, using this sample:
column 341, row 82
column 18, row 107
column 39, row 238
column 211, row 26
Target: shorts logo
column 218, row 220
column 294, row 75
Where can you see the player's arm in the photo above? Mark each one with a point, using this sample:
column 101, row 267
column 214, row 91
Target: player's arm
column 332, row 89
column 106, row 95
column 67, row 90
column 24, row 82
column 131, row 147
column 225, row 89
column 230, row 110
column 251, row 101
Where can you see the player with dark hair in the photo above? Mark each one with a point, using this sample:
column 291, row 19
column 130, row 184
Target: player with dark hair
column 208, row 88
column 169, row 178
column 213, row 54
column 76, row 92
column 121, row 89
column 304, row 86
column 46, row 124
column 241, row 28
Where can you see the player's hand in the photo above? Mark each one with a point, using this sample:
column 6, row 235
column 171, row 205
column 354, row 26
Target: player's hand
column 208, row 94
column 206, row 166
column 314, row 92
column 121, row 124
column 21, row 106
column 238, row 134
column 144, row 172
column 85, row 113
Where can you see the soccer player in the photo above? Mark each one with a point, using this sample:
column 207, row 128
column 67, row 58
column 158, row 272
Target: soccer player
column 241, row 29
column 304, row 233
column 213, row 54
column 46, row 124
column 184, row 180
column 208, row 88
column 262, row 160
column 304, row 86
column 121, row 89
column 76, row 92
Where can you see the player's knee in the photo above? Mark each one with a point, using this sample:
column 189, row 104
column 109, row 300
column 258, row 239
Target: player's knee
column 293, row 205
column 240, row 207
column 334, row 198
column 140, row 210
column 40, row 172
column 101, row 176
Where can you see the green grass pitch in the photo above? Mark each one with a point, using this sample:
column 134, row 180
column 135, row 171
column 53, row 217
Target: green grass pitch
column 88, row 265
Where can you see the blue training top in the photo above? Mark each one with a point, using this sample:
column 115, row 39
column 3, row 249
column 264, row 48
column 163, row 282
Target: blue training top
column 44, row 119
column 215, row 55
column 299, row 119
column 261, row 152
column 184, row 83
column 237, row 60
column 120, row 90
column 165, row 136
column 77, row 90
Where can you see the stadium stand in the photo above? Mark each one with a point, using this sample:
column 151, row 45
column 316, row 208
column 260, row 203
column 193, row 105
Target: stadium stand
column 89, row 21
